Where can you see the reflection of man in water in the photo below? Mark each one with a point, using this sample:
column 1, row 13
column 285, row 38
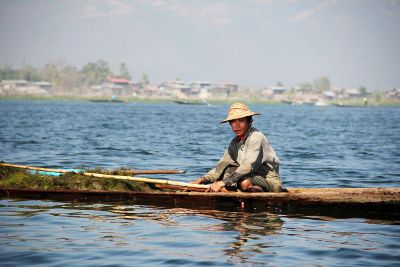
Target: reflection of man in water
column 245, row 233
column 250, row 163
column 248, row 227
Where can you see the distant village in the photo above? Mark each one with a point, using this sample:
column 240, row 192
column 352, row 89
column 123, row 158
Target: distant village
column 120, row 88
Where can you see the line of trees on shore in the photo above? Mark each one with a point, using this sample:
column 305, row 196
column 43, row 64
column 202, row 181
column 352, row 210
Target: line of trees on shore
column 64, row 76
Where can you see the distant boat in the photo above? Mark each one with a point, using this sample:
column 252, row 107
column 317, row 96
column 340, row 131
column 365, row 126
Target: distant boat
column 309, row 103
column 184, row 102
column 321, row 103
column 292, row 102
column 112, row 100
column 105, row 101
column 287, row 102
column 102, row 100
column 347, row 106
column 318, row 103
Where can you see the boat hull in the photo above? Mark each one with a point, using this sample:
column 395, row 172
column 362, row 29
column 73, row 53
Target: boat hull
column 382, row 203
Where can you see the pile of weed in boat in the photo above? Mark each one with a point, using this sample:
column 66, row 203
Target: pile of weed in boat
column 23, row 179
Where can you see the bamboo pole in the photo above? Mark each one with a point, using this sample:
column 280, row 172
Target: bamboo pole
column 120, row 177
column 133, row 172
column 33, row 168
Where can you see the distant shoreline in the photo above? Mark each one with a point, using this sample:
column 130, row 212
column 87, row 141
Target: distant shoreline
column 155, row 100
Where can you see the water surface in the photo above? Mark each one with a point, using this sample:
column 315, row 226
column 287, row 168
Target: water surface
column 49, row 233
column 318, row 147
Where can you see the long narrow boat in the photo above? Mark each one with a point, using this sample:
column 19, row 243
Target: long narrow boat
column 380, row 202
column 343, row 202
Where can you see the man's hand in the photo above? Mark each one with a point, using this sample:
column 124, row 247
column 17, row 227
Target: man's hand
column 216, row 186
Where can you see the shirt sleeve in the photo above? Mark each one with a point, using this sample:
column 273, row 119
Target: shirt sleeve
column 253, row 158
column 214, row 174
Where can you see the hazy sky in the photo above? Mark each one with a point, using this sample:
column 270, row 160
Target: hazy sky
column 252, row 43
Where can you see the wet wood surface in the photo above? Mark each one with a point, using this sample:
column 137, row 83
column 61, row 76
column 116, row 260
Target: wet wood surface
column 312, row 197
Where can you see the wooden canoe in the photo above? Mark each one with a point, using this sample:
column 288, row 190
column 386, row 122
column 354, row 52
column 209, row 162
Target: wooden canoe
column 338, row 202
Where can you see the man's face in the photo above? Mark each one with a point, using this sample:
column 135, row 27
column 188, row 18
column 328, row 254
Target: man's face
column 240, row 126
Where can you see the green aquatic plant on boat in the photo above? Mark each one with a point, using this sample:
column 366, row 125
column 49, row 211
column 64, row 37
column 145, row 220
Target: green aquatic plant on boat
column 23, row 179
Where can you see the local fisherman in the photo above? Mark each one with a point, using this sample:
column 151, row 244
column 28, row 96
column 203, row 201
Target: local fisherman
column 249, row 163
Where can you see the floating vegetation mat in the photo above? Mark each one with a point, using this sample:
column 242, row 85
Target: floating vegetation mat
column 25, row 179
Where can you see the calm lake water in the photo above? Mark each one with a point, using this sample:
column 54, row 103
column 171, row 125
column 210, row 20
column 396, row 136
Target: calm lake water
column 318, row 147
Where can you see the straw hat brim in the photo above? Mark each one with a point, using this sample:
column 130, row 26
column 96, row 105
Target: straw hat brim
column 239, row 115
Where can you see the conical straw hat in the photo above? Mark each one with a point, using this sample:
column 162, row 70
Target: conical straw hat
column 237, row 111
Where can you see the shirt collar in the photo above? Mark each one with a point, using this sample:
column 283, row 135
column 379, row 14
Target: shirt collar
column 242, row 138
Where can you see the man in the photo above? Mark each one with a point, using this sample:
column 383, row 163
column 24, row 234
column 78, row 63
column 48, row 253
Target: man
column 249, row 163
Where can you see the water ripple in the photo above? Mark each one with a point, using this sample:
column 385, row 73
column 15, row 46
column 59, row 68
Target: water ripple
column 329, row 147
